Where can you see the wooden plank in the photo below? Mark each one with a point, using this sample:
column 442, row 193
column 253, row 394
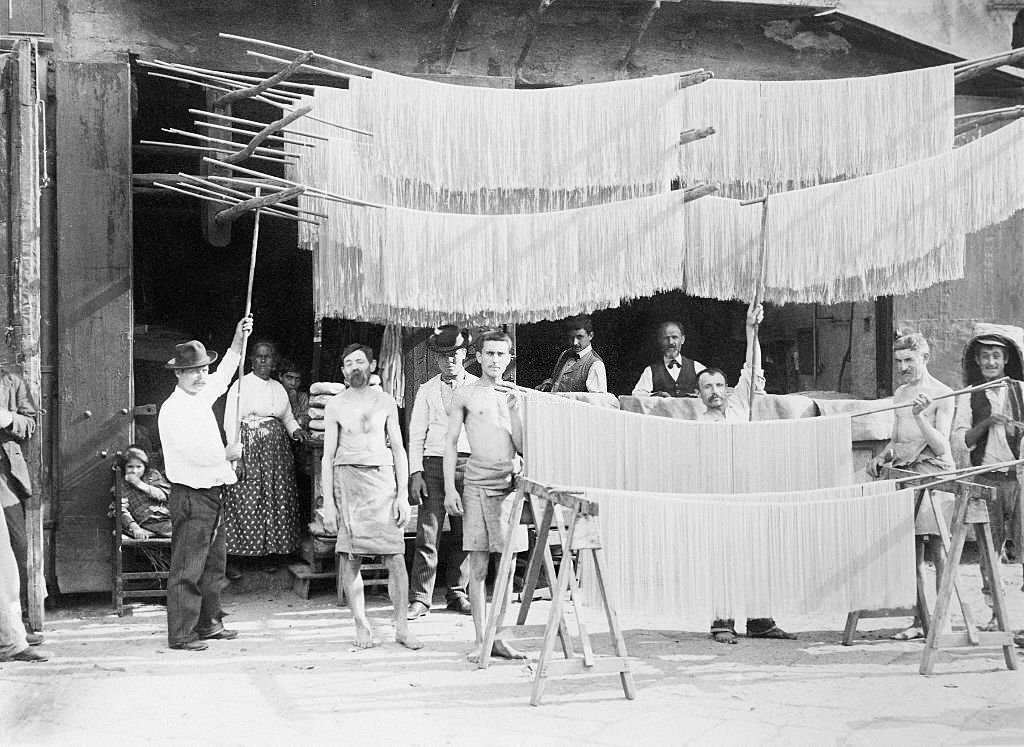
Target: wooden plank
column 25, row 305
column 94, row 275
column 600, row 665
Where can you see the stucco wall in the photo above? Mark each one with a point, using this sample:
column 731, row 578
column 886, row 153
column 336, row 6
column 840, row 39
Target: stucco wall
column 965, row 27
column 574, row 43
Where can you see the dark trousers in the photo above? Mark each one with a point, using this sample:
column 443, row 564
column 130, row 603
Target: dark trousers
column 428, row 539
column 198, row 556
column 15, row 516
column 754, row 625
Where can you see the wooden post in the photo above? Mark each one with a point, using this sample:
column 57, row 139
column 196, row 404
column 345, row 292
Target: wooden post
column 26, row 307
column 755, row 356
column 217, row 234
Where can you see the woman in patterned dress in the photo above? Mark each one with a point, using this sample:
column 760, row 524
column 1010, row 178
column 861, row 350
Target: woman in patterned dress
column 261, row 511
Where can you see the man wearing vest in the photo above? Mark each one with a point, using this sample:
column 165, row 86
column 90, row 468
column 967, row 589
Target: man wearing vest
column 671, row 374
column 579, row 368
column 987, row 424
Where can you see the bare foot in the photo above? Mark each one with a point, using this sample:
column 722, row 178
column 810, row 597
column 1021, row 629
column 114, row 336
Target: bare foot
column 408, row 640
column 474, row 655
column 364, row 636
column 503, row 651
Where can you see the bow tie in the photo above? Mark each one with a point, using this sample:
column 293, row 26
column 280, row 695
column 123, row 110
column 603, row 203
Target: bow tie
column 573, row 356
column 673, row 364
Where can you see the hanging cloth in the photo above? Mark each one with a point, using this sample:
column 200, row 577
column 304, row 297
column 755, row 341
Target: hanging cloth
column 705, row 556
column 775, row 136
column 575, row 444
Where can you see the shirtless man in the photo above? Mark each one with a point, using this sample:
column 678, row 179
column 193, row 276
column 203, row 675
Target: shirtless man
column 489, row 410
column 920, row 443
column 365, row 486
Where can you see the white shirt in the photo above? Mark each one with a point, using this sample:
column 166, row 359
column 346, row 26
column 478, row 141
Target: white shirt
column 597, row 376
column 645, row 386
column 737, row 409
column 428, row 425
column 260, row 399
column 193, row 450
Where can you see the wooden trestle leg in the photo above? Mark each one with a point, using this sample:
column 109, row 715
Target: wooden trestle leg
column 970, row 510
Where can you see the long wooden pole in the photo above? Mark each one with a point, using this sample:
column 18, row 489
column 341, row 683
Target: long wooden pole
column 248, row 311
column 755, row 353
column 981, row 470
column 966, row 390
column 957, row 474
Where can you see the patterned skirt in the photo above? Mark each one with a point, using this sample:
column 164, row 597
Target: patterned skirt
column 261, row 512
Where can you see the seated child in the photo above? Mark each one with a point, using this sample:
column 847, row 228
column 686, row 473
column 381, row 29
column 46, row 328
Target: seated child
column 144, row 511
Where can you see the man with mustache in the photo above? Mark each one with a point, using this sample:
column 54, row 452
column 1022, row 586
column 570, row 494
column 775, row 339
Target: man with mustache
column 364, row 476
column 722, row 407
column 671, row 374
column 198, row 466
column 920, row 443
column 578, row 368
column 428, row 427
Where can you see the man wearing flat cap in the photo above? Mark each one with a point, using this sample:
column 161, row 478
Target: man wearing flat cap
column 198, row 466
column 428, row 427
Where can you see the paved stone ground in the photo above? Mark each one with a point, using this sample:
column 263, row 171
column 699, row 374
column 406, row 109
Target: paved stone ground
column 293, row 676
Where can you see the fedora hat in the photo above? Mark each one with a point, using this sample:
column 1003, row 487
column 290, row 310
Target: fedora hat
column 449, row 338
column 191, row 354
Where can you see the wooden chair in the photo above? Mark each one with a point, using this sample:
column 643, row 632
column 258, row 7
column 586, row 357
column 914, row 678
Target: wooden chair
column 121, row 541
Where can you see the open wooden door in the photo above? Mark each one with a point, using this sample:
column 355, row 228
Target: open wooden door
column 94, row 289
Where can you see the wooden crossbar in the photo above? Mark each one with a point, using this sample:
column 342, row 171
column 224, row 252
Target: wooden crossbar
column 578, row 533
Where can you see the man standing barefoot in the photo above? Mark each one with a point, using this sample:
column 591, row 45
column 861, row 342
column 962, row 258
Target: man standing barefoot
column 366, row 493
column 489, row 410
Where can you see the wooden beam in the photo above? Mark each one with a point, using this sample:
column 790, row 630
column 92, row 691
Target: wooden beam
column 979, row 69
column 26, row 305
column 689, row 136
column 980, row 119
column 270, row 129
column 965, row 64
column 290, row 69
column 692, row 79
column 641, row 30
column 531, row 36
column 438, row 56
column 256, row 203
column 563, row 496
column 697, row 191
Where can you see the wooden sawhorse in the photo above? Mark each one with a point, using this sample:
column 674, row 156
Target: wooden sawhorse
column 971, row 509
column 581, row 535
column 920, row 608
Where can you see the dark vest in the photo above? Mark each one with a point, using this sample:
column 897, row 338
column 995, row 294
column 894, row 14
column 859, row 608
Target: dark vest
column 981, row 409
column 575, row 379
column 661, row 381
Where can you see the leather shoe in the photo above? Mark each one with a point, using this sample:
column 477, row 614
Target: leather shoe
column 189, row 646
column 461, row 605
column 774, row 632
column 221, row 635
column 34, row 639
column 26, row 655
column 417, row 609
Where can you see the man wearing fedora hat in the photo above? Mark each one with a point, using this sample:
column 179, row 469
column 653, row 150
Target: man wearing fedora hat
column 428, row 427
column 198, row 465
